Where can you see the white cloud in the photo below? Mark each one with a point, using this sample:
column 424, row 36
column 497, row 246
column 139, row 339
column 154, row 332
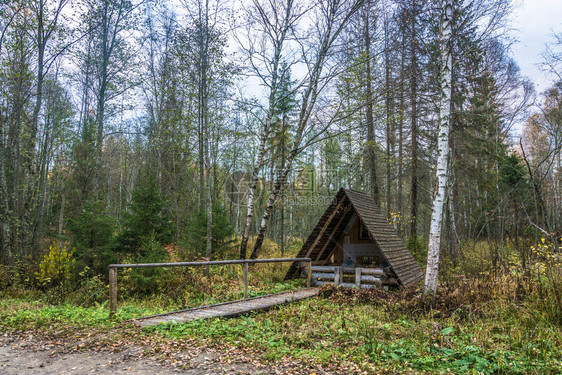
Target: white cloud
column 535, row 20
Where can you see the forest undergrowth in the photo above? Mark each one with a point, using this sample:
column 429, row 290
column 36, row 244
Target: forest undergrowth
column 478, row 322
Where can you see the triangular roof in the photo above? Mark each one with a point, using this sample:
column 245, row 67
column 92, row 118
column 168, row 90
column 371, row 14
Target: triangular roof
column 322, row 242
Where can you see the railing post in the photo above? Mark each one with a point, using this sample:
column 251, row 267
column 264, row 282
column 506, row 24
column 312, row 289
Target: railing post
column 245, row 268
column 308, row 273
column 358, row 277
column 112, row 291
column 337, row 276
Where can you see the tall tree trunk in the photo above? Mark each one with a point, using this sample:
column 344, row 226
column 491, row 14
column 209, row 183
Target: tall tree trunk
column 264, row 136
column 6, row 254
column 102, row 87
column 253, row 186
column 389, row 118
column 442, row 146
column 61, row 211
column 40, row 66
column 371, row 142
column 414, row 120
column 35, row 196
column 6, row 251
column 454, row 240
column 100, row 112
column 42, row 188
column 16, row 151
column 282, row 224
column 309, row 98
column 277, row 186
column 203, row 116
column 201, row 151
column 399, row 204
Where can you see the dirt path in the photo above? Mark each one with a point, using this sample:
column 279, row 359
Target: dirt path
column 19, row 356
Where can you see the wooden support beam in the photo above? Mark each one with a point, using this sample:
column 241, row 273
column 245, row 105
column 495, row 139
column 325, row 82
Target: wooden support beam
column 372, row 271
column 316, row 268
column 210, row 263
column 112, row 292
column 326, row 224
column 324, row 275
column 245, row 269
column 317, row 263
column 358, row 277
column 331, row 236
column 366, row 279
column 345, row 231
column 308, row 273
column 350, row 223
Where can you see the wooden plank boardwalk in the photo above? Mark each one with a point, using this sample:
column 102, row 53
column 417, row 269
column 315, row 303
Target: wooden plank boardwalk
column 228, row 309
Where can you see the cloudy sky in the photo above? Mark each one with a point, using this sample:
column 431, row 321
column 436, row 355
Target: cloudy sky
column 535, row 21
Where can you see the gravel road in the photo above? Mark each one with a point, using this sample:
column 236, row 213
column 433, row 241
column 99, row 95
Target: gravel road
column 28, row 356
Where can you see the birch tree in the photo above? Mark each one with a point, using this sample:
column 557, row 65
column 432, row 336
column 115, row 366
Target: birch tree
column 443, row 146
column 335, row 14
column 275, row 22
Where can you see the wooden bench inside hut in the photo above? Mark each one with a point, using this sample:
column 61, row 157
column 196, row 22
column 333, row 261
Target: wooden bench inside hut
column 353, row 245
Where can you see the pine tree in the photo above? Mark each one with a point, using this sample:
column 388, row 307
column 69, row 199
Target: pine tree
column 146, row 219
column 196, row 232
column 93, row 236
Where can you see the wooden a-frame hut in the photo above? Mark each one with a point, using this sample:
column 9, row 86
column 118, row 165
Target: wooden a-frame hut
column 353, row 237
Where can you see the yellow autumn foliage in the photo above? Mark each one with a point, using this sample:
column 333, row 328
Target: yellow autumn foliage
column 54, row 270
column 546, row 257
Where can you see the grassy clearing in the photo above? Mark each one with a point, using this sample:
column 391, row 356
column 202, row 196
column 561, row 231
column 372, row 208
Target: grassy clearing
column 346, row 331
column 25, row 315
column 390, row 335
column 505, row 324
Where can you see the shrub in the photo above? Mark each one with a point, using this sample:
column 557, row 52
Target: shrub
column 54, row 270
column 91, row 289
column 7, row 276
column 24, row 272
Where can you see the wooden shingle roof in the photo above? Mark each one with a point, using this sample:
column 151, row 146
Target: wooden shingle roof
column 322, row 242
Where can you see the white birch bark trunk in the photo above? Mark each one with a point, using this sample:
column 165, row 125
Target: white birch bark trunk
column 264, row 136
column 310, row 96
column 255, row 173
column 432, row 269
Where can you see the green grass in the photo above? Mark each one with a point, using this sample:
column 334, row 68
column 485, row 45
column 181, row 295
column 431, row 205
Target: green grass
column 507, row 324
column 375, row 338
column 383, row 336
column 23, row 314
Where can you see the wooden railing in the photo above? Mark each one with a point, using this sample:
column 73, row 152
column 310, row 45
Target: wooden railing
column 114, row 267
column 364, row 277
